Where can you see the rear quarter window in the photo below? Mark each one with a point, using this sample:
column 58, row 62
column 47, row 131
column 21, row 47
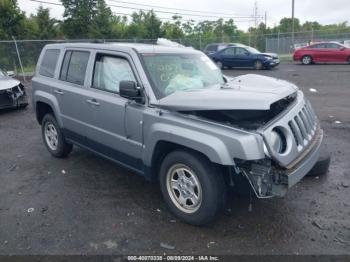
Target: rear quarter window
column 74, row 67
column 49, row 62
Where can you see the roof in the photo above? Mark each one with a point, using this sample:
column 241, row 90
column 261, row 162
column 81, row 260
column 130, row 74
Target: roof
column 126, row 47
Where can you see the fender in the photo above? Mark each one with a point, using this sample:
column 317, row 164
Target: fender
column 51, row 100
column 216, row 149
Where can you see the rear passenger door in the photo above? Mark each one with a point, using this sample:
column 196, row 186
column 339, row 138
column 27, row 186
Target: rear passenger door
column 117, row 127
column 70, row 91
column 228, row 56
column 242, row 57
column 319, row 52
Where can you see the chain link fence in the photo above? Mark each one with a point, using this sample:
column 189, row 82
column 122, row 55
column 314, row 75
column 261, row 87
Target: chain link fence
column 27, row 52
column 285, row 44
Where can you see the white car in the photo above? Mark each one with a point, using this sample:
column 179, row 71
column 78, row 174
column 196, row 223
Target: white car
column 12, row 92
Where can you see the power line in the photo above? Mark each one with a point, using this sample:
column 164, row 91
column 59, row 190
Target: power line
column 156, row 11
column 176, row 13
column 171, row 8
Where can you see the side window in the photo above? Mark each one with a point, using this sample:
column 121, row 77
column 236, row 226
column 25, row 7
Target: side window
column 333, row 46
column 240, row 51
column 229, row 51
column 74, row 66
column 319, row 46
column 211, row 48
column 109, row 71
column 49, row 62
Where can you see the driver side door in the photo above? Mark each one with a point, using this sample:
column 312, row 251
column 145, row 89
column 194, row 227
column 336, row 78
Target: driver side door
column 117, row 131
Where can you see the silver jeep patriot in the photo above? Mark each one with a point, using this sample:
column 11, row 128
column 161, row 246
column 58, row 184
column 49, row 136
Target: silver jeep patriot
column 170, row 115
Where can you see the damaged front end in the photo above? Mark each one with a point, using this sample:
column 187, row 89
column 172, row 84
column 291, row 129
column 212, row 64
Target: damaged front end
column 14, row 97
column 292, row 139
column 268, row 178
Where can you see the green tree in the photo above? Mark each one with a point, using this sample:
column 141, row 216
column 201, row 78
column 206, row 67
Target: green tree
column 47, row 27
column 285, row 25
column 101, row 26
column 11, row 19
column 172, row 29
column 144, row 25
column 78, row 17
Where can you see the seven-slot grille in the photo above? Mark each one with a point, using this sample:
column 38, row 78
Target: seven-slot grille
column 303, row 126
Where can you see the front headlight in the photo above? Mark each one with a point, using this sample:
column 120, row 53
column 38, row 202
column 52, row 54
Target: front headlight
column 278, row 141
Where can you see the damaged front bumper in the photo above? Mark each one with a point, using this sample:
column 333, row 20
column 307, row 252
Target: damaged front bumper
column 14, row 97
column 268, row 179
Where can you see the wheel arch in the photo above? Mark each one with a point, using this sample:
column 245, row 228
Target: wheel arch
column 301, row 58
column 163, row 148
column 46, row 103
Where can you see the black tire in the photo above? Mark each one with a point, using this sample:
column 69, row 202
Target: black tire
column 258, row 65
column 306, row 60
column 62, row 147
column 212, row 186
column 322, row 165
column 23, row 106
column 348, row 60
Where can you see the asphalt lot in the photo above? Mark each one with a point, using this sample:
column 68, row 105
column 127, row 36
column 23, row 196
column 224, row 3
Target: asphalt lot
column 87, row 205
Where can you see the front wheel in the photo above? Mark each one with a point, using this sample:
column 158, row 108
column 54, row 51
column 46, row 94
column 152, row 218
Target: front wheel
column 306, row 60
column 193, row 189
column 53, row 137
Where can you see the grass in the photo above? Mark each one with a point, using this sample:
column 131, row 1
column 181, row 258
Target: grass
column 286, row 57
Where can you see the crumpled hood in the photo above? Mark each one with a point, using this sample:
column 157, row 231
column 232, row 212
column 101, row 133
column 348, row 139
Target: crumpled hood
column 247, row 92
column 8, row 82
column 273, row 55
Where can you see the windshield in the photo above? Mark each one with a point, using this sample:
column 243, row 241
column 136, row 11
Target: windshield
column 170, row 73
column 252, row 50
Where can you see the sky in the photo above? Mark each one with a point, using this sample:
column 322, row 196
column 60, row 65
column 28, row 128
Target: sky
column 323, row 11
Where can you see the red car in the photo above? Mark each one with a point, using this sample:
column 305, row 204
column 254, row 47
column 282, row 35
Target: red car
column 322, row 52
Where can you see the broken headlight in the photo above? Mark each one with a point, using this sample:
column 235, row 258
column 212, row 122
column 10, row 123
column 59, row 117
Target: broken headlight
column 278, row 141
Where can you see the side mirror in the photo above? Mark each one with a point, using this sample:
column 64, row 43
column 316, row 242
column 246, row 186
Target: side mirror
column 342, row 48
column 10, row 73
column 130, row 90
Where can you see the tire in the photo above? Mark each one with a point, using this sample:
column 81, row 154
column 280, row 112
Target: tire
column 258, row 65
column 322, row 165
column 306, row 60
column 219, row 65
column 23, row 106
column 53, row 137
column 348, row 60
column 198, row 179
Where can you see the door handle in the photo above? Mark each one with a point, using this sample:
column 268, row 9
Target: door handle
column 93, row 101
column 57, row 91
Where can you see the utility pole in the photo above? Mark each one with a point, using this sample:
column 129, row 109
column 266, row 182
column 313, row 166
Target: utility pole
column 293, row 23
column 265, row 19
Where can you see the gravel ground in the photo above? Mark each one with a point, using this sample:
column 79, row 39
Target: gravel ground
column 87, row 205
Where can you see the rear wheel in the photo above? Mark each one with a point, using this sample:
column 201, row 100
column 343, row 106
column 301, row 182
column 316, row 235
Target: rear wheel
column 53, row 137
column 193, row 189
column 258, row 65
column 349, row 60
column 306, row 60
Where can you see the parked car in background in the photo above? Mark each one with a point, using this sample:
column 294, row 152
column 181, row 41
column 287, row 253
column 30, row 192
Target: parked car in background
column 215, row 47
column 324, row 52
column 12, row 92
column 244, row 56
